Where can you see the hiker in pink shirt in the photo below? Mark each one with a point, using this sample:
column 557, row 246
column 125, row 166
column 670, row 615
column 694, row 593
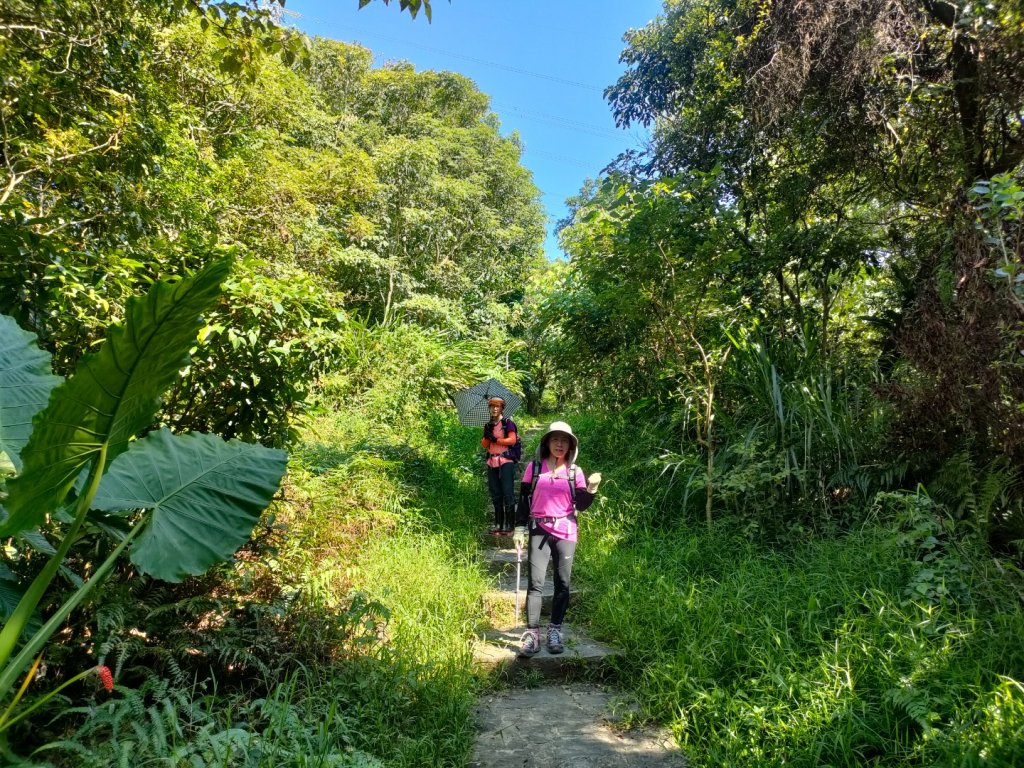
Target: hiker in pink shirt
column 553, row 490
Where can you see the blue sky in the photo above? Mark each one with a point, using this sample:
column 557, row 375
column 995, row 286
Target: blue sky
column 544, row 64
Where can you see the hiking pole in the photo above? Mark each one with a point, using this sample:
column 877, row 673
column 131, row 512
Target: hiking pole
column 519, row 562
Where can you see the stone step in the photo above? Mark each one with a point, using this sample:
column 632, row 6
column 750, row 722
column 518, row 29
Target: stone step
column 566, row 726
column 505, row 570
column 497, row 540
column 500, row 607
column 497, row 652
column 502, row 563
column 499, row 603
column 502, row 560
column 507, row 581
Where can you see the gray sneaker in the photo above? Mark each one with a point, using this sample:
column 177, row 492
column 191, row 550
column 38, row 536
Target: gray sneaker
column 555, row 638
column 531, row 642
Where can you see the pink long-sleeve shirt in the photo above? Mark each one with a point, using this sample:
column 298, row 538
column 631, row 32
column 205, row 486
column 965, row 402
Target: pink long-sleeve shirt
column 552, row 507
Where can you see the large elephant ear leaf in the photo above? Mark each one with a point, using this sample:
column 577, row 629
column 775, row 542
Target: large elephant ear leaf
column 114, row 394
column 11, row 594
column 25, row 384
column 205, row 495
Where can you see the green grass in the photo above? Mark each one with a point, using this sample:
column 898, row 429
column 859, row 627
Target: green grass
column 408, row 504
column 808, row 655
column 891, row 645
column 810, row 658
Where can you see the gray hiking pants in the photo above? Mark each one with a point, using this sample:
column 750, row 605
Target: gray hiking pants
column 545, row 547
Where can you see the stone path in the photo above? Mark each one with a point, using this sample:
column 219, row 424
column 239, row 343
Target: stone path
column 564, row 726
column 564, row 717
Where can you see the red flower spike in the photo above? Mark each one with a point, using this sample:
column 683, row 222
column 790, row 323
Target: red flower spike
column 106, row 677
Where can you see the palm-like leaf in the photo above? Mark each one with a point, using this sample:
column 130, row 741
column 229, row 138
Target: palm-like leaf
column 114, row 394
column 25, row 384
column 205, row 495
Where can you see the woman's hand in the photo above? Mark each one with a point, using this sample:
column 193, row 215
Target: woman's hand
column 593, row 482
column 520, row 537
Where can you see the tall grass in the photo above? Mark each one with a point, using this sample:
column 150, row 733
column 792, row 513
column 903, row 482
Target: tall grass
column 896, row 643
column 801, row 431
column 812, row 657
column 406, row 501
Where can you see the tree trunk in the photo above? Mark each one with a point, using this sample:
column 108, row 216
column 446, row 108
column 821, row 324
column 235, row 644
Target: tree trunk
column 709, row 486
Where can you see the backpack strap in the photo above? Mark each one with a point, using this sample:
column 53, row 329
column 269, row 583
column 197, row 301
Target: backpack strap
column 572, row 483
column 507, row 426
column 535, row 467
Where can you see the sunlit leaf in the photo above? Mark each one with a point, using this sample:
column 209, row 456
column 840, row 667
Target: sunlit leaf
column 25, row 385
column 205, row 495
column 114, row 394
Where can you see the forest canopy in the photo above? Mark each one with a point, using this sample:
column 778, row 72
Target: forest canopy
column 136, row 148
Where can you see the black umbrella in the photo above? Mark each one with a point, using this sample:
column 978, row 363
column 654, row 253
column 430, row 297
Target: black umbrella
column 471, row 403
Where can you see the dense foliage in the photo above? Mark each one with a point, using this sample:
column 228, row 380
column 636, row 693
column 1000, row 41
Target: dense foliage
column 894, row 643
column 378, row 222
column 819, row 251
column 201, row 496
column 805, row 300
column 788, row 333
column 346, row 192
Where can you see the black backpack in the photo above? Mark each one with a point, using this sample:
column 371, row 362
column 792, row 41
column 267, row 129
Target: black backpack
column 514, row 452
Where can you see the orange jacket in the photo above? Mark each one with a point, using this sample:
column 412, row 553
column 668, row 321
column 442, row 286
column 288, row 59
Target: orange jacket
column 509, row 439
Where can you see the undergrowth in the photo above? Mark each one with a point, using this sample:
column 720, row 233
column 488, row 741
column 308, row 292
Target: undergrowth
column 895, row 642
column 339, row 637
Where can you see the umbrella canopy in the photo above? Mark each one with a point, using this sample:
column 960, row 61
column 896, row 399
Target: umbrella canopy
column 471, row 403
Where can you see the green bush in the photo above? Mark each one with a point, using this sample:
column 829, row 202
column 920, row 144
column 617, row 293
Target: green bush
column 260, row 355
column 399, row 371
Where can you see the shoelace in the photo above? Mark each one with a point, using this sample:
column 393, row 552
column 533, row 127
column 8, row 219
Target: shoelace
column 530, row 640
column 554, row 636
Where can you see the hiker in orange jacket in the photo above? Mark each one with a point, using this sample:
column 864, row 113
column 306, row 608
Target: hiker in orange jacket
column 499, row 439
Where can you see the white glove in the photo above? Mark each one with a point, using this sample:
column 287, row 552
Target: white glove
column 520, row 536
column 593, row 481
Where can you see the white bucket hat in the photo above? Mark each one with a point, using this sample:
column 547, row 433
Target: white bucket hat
column 565, row 429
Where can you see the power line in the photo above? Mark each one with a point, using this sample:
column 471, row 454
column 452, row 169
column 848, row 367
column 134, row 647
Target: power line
column 556, row 120
column 553, row 119
column 485, row 62
column 560, row 158
column 562, row 122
